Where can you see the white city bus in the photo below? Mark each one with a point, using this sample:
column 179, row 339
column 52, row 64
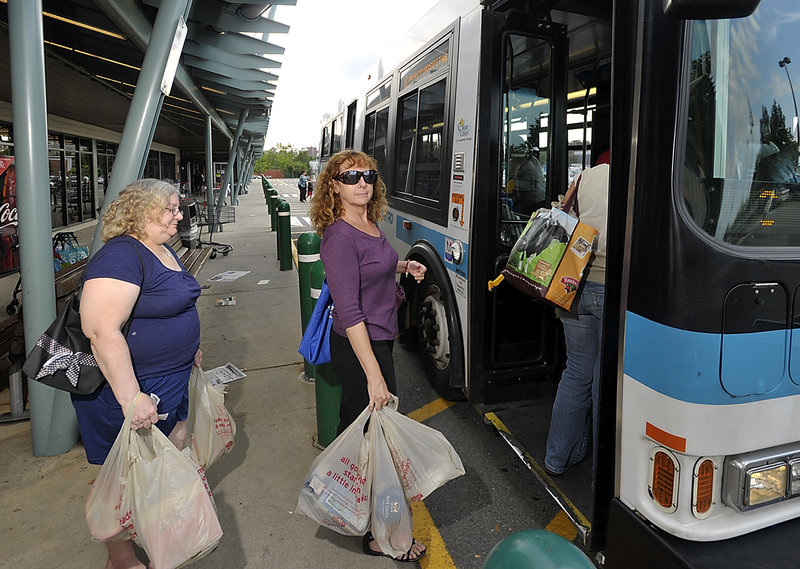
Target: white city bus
column 699, row 442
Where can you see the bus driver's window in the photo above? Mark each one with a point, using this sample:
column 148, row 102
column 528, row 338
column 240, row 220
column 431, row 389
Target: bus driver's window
column 525, row 143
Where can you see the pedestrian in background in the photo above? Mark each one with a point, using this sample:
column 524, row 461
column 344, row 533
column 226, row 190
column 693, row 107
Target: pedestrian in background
column 136, row 273
column 360, row 267
column 302, row 183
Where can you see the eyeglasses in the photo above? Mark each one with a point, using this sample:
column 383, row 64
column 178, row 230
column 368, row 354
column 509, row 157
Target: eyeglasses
column 175, row 211
column 350, row 178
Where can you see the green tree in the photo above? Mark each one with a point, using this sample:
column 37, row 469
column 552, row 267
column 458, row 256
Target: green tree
column 286, row 158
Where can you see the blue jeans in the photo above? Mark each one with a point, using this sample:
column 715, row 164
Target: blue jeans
column 576, row 398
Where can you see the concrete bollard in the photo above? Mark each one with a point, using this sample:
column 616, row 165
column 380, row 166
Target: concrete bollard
column 284, row 235
column 326, row 385
column 273, row 212
column 307, row 255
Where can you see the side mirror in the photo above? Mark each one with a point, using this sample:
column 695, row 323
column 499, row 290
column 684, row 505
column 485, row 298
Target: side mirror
column 709, row 9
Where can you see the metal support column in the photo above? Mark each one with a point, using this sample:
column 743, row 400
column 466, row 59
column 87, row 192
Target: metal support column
column 209, row 165
column 231, row 157
column 145, row 107
column 54, row 429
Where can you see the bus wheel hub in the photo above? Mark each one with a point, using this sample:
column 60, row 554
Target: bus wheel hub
column 433, row 325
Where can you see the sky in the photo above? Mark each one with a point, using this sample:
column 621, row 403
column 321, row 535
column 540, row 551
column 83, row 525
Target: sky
column 332, row 47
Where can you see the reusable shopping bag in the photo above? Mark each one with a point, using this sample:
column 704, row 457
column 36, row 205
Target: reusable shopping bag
column 390, row 516
column 336, row 491
column 67, row 251
column 315, row 346
column 158, row 496
column 548, row 259
column 422, row 456
column 210, row 426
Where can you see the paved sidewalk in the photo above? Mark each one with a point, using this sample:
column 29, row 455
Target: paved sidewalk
column 256, row 485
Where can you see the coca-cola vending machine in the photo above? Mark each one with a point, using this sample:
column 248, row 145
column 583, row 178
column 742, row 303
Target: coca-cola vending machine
column 9, row 238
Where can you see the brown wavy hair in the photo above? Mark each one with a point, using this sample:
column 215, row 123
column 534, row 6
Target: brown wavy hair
column 326, row 205
column 139, row 202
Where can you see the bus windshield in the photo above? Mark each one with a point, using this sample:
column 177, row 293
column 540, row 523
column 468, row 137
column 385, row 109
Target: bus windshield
column 741, row 175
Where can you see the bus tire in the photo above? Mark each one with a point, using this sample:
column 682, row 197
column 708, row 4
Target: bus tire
column 438, row 331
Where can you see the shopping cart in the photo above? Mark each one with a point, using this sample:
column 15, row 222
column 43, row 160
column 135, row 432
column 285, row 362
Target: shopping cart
column 212, row 217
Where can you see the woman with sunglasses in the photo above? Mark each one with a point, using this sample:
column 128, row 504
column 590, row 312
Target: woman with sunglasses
column 360, row 268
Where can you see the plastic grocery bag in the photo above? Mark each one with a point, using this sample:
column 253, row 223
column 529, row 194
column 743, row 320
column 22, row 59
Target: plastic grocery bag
column 390, row 518
column 210, row 426
column 150, row 492
column 171, row 512
column 105, row 496
column 336, row 492
column 423, row 457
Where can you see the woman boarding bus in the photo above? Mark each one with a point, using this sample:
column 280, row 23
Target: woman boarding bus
column 698, row 461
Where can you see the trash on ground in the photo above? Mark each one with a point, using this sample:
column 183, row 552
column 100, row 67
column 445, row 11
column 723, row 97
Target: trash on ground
column 228, row 276
column 224, row 374
column 227, row 301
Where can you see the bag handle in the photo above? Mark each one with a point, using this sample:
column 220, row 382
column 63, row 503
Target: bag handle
column 570, row 200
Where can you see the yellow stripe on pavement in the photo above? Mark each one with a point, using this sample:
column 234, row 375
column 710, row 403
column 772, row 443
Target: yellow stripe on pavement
column 425, row 531
column 563, row 526
column 437, row 556
column 427, row 411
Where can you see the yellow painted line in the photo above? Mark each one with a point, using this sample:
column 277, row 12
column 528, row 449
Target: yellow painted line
column 437, row 556
column 427, row 411
column 563, row 526
column 540, row 472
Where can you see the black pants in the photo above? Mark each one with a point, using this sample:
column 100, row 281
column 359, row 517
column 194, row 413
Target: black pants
column 355, row 396
column 303, row 190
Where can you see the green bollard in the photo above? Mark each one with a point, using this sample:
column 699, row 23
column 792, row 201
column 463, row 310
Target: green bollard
column 273, row 212
column 284, row 235
column 326, row 385
column 536, row 549
column 307, row 255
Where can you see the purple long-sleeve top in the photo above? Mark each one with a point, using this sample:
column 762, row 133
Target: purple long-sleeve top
column 360, row 270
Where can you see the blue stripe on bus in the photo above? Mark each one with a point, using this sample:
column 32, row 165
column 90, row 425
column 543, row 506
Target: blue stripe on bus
column 419, row 232
column 685, row 365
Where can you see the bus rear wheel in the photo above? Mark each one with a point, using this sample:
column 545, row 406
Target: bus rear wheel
column 435, row 312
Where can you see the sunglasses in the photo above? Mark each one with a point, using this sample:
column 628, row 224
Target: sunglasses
column 350, row 178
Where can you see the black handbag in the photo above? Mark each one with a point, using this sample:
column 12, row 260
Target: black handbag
column 62, row 357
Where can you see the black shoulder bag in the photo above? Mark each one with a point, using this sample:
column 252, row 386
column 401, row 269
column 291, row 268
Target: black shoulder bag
column 62, row 357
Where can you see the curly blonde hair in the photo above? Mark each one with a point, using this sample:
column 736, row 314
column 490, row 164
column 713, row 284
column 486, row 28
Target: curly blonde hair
column 139, row 202
column 326, row 205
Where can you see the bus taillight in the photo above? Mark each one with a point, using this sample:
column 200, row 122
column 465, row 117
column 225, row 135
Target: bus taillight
column 703, row 492
column 663, row 488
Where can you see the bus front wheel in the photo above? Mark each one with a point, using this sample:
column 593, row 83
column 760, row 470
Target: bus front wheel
column 438, row 342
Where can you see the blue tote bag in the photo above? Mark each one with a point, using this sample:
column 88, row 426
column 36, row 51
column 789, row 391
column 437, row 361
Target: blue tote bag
column 315, row 346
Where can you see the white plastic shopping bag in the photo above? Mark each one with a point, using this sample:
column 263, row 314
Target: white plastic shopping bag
column 173, row 516
column 211, row 428
column 424, row 458
column 336, row 492
column 105, row 496
column 150, row 492
column 390, row 519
